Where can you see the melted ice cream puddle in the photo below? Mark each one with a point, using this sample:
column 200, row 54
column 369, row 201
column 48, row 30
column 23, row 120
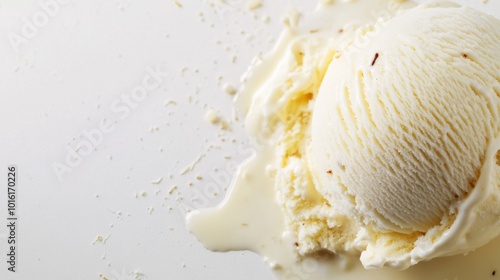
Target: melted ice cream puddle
column 250, row 218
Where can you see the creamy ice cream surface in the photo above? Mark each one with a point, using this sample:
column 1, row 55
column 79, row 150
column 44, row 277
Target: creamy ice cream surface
column 402, row 129
column 377, row 129
column 404, row 124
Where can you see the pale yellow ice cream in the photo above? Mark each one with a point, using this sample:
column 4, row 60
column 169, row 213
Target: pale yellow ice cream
column 402, row 128
column 378, row 132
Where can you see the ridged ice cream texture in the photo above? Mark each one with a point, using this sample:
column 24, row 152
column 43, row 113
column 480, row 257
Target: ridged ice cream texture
column 401, row 127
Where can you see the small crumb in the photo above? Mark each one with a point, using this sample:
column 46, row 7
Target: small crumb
column 494, row 272
column 191, row 166
column 137, row 274
column 212, row 117
column 98, row 238
column 143, row 194
column 253, row 4
column 172, row 189
column 229, row 89
column 329, row 172
column 178, row 3
column 464, row 55
column 101, row 239
column 117, row 213
column 170, row 102
column 292, row 18
column 342, row 167
column 224, row 125
column 296, row 244
column 198, row 177
column 157, row 181
column 341, row 30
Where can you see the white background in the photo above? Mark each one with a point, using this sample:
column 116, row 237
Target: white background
column 63, row 78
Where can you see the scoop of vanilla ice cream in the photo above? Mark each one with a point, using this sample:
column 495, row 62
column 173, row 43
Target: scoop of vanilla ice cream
column 402, row 124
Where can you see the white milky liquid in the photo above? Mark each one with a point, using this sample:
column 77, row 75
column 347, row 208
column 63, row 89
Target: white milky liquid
column 250, row 219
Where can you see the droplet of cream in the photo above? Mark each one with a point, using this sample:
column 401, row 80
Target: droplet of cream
column 229, row 89
column 254, row 4
column 212, row 117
